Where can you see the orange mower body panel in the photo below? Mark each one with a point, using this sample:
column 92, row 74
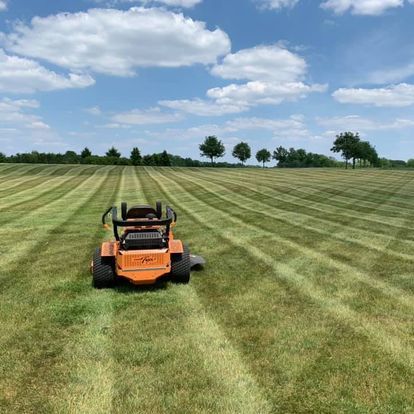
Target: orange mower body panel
column 142, row 267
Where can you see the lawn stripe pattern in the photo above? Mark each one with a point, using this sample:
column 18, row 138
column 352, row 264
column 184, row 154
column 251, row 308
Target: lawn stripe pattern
column 334, row 306
column 305, row 305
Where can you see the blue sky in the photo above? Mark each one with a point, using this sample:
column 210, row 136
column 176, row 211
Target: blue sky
column 164, row 74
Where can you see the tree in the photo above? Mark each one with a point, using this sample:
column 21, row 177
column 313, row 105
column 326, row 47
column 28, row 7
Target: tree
column 212, row 148
column 113, row 152
column 2, row 157
column 280, row 154
column 410, row 163
column 70, row 157
column 242, row 151
column 135, row 157
column 86, row 153
column 164, row 159
column 263, row 156
column 347, row 144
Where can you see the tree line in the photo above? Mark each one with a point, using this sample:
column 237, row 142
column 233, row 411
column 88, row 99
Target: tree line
column 111, row 157
column 213, row 148
column 352, row 149
column 349, row 145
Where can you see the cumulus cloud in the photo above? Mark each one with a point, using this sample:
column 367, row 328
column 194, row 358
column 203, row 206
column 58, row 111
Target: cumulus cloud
column 274, row 75
column 265, row 63
column 93, row 110
column 117, row 42
column 358, row 123
column 15, row 113
column 204, row 107
column 390, row 96
column 276, row 4
column 175, row 3
column 3, row 5
column 267, row 93
column 150, row 116
column 290, row 128
column 171, row 3
column 21, row 75
column 361, row 7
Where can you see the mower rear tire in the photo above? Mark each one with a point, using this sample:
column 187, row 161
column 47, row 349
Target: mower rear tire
column 181, row 267
column 103, row 275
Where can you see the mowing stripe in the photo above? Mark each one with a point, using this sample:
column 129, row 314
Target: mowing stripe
column 398, row 350
column 84, row 191
column 93, row 366
column 29, row 174
column 32, row 192
column 36, row 180
column 351, row 271
column 323, row 227
column 357, row 193
column 220, row 359
column 317, row 207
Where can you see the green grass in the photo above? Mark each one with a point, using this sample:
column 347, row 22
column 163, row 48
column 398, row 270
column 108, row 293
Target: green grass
column 305, row 306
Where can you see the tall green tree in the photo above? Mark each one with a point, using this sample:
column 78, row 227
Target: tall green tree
column 164, row 159
column 135, row 157
column 410, row 163
column 212, row 148
column 2, row 157
column 242, row 151
column 263, row 156
column 280, row 154
column 86, row 153
column 347, row 144
column 113, row 152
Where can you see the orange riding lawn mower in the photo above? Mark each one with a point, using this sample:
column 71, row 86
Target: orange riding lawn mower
column 145, row 252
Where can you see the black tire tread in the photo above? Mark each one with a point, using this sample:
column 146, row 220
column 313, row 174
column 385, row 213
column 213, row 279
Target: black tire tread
column 181, row 267
column 103, row 276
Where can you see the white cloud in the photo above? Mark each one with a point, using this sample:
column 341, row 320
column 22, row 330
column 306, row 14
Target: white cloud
column 293, row 126
column 3, row 5
column 21, row 75
column 265, row 63
column 171, row 3
column 391, row 75
column 203, row 107
column 94, row 110
column 361, row 124
column 391, row 96
column 276, row 4
column 288, row 128
column 267, row 93
column 13, row 113
column 150, row 116
column 176, row 3
column 274, row 73
column 116, row 42
column 361, row 7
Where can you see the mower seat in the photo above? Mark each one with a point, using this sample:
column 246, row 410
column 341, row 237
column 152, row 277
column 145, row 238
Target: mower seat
column 140, row 212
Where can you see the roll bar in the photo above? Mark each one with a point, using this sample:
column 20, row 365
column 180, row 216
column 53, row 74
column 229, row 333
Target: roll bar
column 171, row 218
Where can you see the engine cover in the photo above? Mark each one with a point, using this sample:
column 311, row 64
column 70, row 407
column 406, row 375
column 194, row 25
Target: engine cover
column 144, row 240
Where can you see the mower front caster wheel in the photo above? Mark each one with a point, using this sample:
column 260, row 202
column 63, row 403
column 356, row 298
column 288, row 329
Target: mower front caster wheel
column 103, row 274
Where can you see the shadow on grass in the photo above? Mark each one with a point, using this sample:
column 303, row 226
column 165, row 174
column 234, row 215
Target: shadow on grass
column 128, row 288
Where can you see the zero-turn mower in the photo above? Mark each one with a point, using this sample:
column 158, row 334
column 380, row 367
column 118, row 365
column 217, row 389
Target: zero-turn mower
column 145, row 252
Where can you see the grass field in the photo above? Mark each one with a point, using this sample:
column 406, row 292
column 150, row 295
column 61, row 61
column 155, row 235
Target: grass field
column 306, row 304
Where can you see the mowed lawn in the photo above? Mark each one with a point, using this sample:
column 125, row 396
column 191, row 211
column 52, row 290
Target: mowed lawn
column 305, row 306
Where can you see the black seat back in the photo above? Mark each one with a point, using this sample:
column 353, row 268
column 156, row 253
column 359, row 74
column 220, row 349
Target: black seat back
column 140, row 212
